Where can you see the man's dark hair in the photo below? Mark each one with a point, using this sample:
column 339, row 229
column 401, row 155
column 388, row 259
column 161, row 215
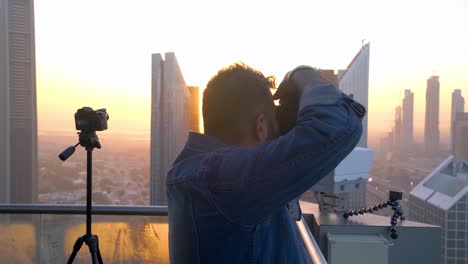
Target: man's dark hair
column 232, row 100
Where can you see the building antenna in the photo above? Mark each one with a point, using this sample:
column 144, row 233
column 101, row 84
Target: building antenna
column 362, row 42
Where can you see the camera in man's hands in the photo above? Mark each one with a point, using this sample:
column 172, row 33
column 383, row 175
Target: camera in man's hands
column 87, row 119
column 286, row 113
column 290, row 91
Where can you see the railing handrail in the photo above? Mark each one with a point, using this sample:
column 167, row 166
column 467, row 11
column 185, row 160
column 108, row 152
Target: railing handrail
column 315, row 254
column 65, row 209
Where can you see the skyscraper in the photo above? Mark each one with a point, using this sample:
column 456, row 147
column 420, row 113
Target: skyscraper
column 18, row 117
column 195, row 109
column 397, row 129
column 407, row 120
column 458, row 106
column 386, row 143
column 460, row 137
column 442, row 199
column 171, row 108
column 431, row 129
column 355, row 80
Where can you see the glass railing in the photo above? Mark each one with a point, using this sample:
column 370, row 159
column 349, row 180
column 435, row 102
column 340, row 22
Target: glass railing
column 47, row 233
column 127, row 234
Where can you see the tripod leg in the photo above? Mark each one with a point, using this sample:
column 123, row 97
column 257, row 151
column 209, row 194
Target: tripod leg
column 76, row 247
column 98, row 250
column 91, row 241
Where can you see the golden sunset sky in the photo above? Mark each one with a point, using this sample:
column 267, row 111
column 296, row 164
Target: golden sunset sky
column 98, row 53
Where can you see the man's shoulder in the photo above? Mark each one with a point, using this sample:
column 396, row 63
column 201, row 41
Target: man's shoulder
column 185, row 168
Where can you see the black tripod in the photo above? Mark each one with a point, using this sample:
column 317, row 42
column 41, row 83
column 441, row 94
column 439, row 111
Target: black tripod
column 89, row 141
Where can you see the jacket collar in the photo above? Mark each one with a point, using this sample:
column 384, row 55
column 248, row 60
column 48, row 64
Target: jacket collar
column 203, row 143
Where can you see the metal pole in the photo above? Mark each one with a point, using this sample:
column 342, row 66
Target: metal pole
column 89, row 200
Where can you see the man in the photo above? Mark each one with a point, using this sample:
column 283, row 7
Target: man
column 229, row 188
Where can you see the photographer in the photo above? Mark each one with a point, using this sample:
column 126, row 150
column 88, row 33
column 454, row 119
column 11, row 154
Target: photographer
column 229, row 188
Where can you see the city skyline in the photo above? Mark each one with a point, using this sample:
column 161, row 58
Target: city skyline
column 121, row 64
column 400, row 58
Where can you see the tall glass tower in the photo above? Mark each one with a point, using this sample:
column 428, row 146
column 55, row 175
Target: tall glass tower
column 355, row 80
column 407, row 121
column 18, row 117
column 431, row 129
column 458, row 106
column 172, row 117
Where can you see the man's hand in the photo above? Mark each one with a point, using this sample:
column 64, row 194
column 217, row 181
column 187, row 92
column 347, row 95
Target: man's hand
column 290, row 92
column 297, row 80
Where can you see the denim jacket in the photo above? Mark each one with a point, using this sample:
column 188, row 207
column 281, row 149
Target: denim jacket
column 228, row 204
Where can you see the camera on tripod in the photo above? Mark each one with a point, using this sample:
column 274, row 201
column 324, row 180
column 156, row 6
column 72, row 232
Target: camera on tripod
column 87, row 119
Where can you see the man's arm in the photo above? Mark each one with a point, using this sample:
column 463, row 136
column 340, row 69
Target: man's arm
column 265, row 178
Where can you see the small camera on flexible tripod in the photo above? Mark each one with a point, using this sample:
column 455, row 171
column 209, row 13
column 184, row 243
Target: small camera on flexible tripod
column 87, row 121
column 394, row 199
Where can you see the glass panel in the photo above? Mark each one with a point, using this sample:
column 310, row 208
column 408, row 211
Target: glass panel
column 50, row 238
column 451, row 224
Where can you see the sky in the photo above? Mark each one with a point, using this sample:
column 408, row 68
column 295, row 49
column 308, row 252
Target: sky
column 98, row 53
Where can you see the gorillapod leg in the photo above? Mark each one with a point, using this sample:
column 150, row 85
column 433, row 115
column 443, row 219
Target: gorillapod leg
column 394, row 202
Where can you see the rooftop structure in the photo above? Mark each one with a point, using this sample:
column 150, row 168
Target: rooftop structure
column 442, row 199
column 347, row 179
column 138, row 234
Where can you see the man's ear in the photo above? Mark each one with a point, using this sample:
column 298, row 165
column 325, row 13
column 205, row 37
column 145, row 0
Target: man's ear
column 261, row 128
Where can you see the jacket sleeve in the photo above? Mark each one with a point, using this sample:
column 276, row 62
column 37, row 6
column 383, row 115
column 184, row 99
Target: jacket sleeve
column 263, row 179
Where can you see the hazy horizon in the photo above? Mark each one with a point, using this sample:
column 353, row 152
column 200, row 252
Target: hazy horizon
column 107, row 62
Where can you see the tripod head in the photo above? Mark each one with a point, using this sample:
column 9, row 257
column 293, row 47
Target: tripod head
column 88, row 140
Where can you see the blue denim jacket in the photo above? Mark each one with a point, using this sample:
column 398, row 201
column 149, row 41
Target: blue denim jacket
column 228, row 204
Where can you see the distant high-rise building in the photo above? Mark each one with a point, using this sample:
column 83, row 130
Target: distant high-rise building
column 397, row 129
column 407, row 120
column 460, row 137
column 170, row 121
column 386, row 143
column 442, row 199
column 355, row 80
column 458, row 106
column 431, row 129
column 195, row 109
column 18, row 117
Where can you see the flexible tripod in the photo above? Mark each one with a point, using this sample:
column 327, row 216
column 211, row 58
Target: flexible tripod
column 89, row 141
column 393, row 201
